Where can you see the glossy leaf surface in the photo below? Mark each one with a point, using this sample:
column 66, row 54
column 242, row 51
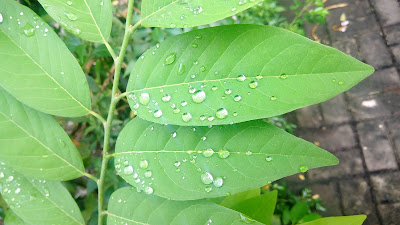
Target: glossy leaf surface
column 236, row 73
column 348, row 220
column 89, row 19
column 128, row 206
column 33, row 143
column 185, row 163
column 38, row 202
column 36, row 67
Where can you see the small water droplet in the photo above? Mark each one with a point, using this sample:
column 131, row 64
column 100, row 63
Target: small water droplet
column 228, row 91
column 71, row 16
column 248, row 153
column 128, row 170
column 166, row 98
column 214, row 88
column 69, row 2
column 176, row 110
column 237, row 98
column 259, row 77
column 183, row 103
column 148, row 174
column 218, row 182
column 253, row 84
column 245, row 219
column 206, row 178
column 199, row 96
column 211, row 118
column 241, row 77
column 181, row 69
column 194, row 45
column 268, row 158
column 158, row 113
column 170, row 58
column 143, row 164
column 223, row 153
column 172, row 25
column 186, row 117
column 202, row 117
column 221, row 113
column 202, row 68
column 283, row 76
column 1, row 18
column 273, row 98
column 198, row 37
column 173, row 134
column 177, row 163
column 144, row 98
column 208, row 189
column 148, row 190
column 341, row 83
column 17, row 191
column 208, row 153
column 29, row 30
column 303, row 168
column 197, row 10
column 62, row 143
column 9, row 179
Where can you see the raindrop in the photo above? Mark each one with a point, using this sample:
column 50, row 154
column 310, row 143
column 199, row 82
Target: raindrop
column 76, row 31
column 199, row 96
column 148, row 190
column 245, row 219
column 166, row 98
column 170, row 58
column 218, row 182
column 237, row 98
column 148, row 174
column 144, row 98
column 211, row 118
column 195, row 45
column 202, row 68
column 186, row 117
column 197, row 10
column 203, row 138
column 181, row 69
column 128, row 170
column 202, row 117
column 273, row 98
column 206, row 178
column 172, row 25
column 208, row 189
column 208, row 153
column 283, row 76
column 173, row 134
column 241, row 77
column 158, row 113
column 341, row 83
column 233, row 9
column 69, row 2
column 9, row 179
column 183, row 103
column 235, row 114
column 17, row 191
column 136, row 106
column 228, row 91
column 29, row 30
column 248, row 153
column 71, row 16
column 223, row 153
column 199, row 37
column 253, row 84
column 221, row 113
column 176, row 110
column 303, row 168
column 177, row 163
column 143, row 164
column 259, row 77
column 214, row 88
column 1, row 18
column 269, row 158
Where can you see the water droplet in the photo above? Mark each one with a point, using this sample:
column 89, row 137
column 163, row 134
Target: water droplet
column 269, row 158
column 283, row 76
column 186, row 117
column 211, row 118
column 248, row 153
column 273, row 98
column 221, row 113
column 194, row 45
column 71, row 16
column 46, row 192
column 183, row 103
column 208, row 189
column 341, row 83
column 245, row 219
column 197, row 10
column 128, row 170
column 144, row 98
column 1, row 18
column 172, row 25
column 177, row 163
column 176, row 110
column 173, row 134
column 208, row 153
column 143, row 164
column 17, row 191
column 199, row 96
column 303, row 168
column 166, row 98
column 214, row 88
column 237, row 98
column 259, row 77
column 203, row 138
column 69, row 2
column 228, row 91
column 206, row 178
column 29, row 30
column 170, row 58
column 1, row 175
column 218, row 182
column 158, row 113
column 148, row 190
column 223, row 153
column 202, row 117
column 76, row 31
column 198, row 37
column 62, row 143
column 202, row 68
column 181, row 69
column 148, row 174
column 253, row 84
column 9, row 179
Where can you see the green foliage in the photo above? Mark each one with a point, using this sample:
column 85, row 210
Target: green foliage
column 39, row 76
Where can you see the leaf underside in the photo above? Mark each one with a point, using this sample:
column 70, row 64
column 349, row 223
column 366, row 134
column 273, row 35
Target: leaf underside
column 172, row 160
column 38, row 202
column 34, row 144
column 189, row 13
column 348, row 220
column 236, row 73
column 128, row 206
column 88, row 19
column 36, row 67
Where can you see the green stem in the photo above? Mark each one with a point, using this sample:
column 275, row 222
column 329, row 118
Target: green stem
column 129, row 29
column 3, row 204
column 300, row 14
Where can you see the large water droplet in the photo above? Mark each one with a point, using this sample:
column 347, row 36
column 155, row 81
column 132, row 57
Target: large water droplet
column 241, row 77
column 170, row 58
column 221, row 113
column 148, row 190
column 71, row 16
column 199, row 96
column 223, row 153
column 143, row 164
column 128, row 170
column 218, row 182
column 144, row 98
column 253, row 84
column 206, row 178
column 303, row 168
column 228, row 91
column 208, row 153
column 29, row 30
column 186, row 117
column 158, row 113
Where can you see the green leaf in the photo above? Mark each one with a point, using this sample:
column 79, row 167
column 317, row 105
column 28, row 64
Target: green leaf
column 88, row 19
column 189, row 13
column 13, row 219
column 291, row 72
column 36, row 67
column 35, row 144
column 260, row 208
column 178, row 162
column 348, row 220
column 232, row 200
column 38, row 201
column 299, row 210
column 128, row 206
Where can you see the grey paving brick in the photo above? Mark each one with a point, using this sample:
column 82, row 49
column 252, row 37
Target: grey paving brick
column 335, row 110
column 380, row 81
column 373, row 49
column 388, row 11
column 392, row 34
column 386, row 187
column 350, row 164
column 354, row 9
column 396, row 53
column 348, row 46
column 394, row 127
column 321, row 33
column 330, row 138
column 390, row 213
column 378, row 152
column 375, row 106
column 309, row 116
column 330, row 198
column 357, row 199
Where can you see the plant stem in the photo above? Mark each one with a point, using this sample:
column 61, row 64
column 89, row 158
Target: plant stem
column 98, row 116
column 300, row 14
column 129, row 29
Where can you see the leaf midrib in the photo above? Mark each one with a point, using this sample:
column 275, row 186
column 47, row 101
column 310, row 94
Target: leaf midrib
column 95, row 22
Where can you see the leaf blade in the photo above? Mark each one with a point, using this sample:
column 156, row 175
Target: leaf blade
column 36, row 144
column 128, row 205
column 350, row 220
column 178, row 158
column 282, row 71
column 36, row 66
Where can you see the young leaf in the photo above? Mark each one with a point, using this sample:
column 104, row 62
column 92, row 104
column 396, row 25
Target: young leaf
column 128, row 206
column 13, row 219
column 236, row 73
column 189, row 13
column 35, row 145
column 232, row 200
column 186, row 163
column 36, row 67
column 89, row 19
column 348, row 220
column 260, row 208
column 37, row 201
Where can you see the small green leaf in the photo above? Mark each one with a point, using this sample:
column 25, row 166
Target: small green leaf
column 13, row 219
column 38, row 201
column 35, row 145
column 36, row 67
column 347, row 220
column 299, row 210
column 232, row 200
column 236, row 73
column 128, row 206
column 89, row 19
column 189, row 13
column 260, row 208
column 186, row 163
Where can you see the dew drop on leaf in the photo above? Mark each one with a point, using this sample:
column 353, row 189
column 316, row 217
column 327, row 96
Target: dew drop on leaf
column 273, row 98
column 177, row 164
column 202, row 117
column 199, row 96
column 69, row 2
column 1, row 18
column 223, row 153
column 259, row 77
column 228, row 91
column 148, row 190
column 303, row 168
column 214, row 88
column 208, row 189
column 206, row 178
column 245, row 219
column 283, row 76
column 148, row 174
column 144, row 98
column 221, row 113
column 29, row 30
column 71, row 16
column 158, row 113
column 9, row 179
column 166, row 98
column 186, row 117
column 170, row 58
column 128, row 170
column 183, row 103
column 268, row 158
column 218, row 182
column 195, row 45
column 341, row 83
column 241, row 77
column 202, row 68
column 176, row 110
column 248, row 153
column 181, row 69
column 253, row 84
column 143, row 164
column 208, row 153
column 237, row 98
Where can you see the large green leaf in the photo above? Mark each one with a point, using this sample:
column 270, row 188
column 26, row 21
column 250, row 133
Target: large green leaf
column 128, row 206
column 189, row 13
column 232, row 200
column 34, row 144
column 89, row 19
column 179, row 163
column 38, row 202
column 343, row 220
column 236, row 73
column 13, row 219
column 36, row 67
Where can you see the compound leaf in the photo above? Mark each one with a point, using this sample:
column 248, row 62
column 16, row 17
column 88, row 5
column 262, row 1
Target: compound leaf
column 186, row 163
